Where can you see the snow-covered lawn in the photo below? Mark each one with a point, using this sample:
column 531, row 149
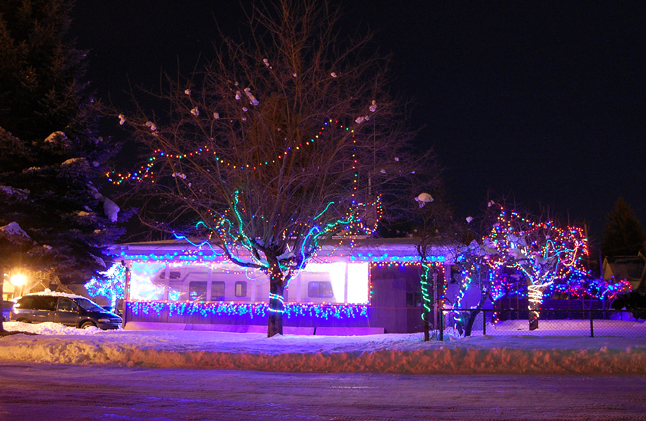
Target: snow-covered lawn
column 390, row 353
column 623, row 328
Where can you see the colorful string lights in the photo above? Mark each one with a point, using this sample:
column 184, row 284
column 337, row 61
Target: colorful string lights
column 111, row 287
column 207, row 309
column 146, row 171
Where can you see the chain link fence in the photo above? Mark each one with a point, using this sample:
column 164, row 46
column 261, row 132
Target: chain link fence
column 497, row 322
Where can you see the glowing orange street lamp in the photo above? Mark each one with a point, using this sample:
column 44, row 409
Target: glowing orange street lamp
column 18, row 280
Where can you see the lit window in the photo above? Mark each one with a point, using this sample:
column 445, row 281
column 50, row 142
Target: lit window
column 318, row 289
column 241, row 289
column 197, row 291
column 217, row 291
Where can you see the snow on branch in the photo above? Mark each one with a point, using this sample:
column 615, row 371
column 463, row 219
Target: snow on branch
column 13, row 230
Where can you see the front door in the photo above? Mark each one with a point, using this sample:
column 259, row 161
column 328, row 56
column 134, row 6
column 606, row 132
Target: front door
column 67, row 312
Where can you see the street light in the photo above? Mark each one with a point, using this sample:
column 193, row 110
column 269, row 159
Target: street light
column 18, row 280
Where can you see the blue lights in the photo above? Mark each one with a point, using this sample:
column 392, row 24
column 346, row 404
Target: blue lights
column 251, row 310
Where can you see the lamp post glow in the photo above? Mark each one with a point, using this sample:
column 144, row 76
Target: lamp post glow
column 18, row 280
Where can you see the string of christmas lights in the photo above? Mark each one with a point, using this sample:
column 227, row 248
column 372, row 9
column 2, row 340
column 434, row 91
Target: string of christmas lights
column 145, row 171
column 324, row 311
column 111, row 287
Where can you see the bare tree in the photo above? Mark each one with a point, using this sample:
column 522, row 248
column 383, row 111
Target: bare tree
column 472, row 256
column 280, row 143
column 542, row 253
column 435, row 227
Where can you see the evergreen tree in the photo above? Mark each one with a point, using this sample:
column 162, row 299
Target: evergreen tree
column 623, row 234
column 50, row 150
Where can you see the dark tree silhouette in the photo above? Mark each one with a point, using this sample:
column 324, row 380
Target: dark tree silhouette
column 50, row 151
column 623, row 234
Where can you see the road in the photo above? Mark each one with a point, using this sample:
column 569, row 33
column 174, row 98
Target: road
column 74, row 392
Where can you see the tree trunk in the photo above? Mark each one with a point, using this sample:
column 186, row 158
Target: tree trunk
column 426, row 299
column 472, row 318
column 534, row 312
column 1, row 298
column 474, row 313
column 535, row 300
column 276, row 305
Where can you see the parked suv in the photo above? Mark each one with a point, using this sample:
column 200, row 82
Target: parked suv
column 67, row 309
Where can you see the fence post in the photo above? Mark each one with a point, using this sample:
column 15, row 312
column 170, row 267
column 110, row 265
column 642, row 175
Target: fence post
column 484, row 323
column 441, row 314
column 591, row 324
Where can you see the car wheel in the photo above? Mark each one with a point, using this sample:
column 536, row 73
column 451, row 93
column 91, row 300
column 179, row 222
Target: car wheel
column 87, row 324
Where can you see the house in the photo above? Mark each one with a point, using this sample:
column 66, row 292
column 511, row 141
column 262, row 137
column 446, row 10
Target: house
column 630, row 268
column 369, row 284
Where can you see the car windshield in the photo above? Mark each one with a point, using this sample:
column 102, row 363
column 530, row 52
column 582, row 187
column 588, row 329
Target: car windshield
column 88, row 305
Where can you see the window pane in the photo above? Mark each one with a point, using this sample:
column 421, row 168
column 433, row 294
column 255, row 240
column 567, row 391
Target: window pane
column 197, row 291
column 241, row 289
column 174, row 275
column 88, row 305
column 174, row 290
column 317, row 289
column 217, row 291
column 325, row 290
column 26, row 302
column 65, row 304
column 312, row 289
column 45, row 303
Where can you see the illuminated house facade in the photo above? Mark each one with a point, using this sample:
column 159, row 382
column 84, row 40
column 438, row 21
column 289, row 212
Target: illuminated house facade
column 374, row 284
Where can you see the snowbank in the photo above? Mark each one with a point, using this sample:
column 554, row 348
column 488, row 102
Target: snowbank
column 49, row 328
column 388, row 353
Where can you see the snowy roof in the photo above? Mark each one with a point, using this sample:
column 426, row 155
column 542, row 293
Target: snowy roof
column 55, row 294
column 364, row 249
column 624, row 267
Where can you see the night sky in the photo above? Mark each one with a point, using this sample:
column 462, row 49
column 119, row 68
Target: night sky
column 543, row 104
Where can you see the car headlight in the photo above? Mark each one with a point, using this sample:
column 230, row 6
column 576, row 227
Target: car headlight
column 104, row 320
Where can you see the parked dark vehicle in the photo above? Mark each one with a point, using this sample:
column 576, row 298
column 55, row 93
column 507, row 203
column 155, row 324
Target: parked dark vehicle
column 6, row 309
column 67, row 309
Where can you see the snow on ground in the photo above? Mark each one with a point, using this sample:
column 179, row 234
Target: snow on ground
column 624, row 328
column 49, row 329
column 389, row 353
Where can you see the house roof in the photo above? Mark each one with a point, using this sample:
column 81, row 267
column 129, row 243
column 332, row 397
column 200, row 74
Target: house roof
column 386, row 250
column 624, row 267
